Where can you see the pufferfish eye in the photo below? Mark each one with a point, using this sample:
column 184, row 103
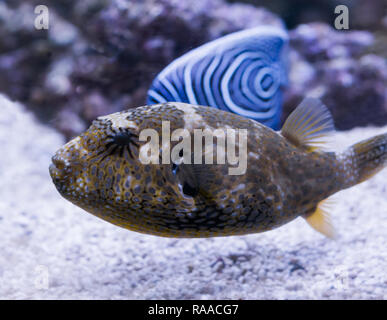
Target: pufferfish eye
column 122, row 138
column 120, row 141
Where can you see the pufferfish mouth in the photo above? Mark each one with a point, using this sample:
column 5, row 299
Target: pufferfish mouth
column 56, row 167
column 54, row 171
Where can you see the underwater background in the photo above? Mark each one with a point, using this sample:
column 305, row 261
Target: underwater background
column 99, row 57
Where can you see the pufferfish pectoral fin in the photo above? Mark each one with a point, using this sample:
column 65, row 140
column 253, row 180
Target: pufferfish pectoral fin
column 196, row 178
column 320, row 220
column 308, row 125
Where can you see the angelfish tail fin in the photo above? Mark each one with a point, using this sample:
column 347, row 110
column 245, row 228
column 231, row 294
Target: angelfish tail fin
column 364, row 159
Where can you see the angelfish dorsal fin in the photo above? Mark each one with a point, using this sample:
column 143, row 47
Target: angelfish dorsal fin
column 320, row 219
column 308, row 125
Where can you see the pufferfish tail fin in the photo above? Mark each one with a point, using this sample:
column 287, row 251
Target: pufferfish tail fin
column 364, row 159
column 309, row 125
column 320, row 219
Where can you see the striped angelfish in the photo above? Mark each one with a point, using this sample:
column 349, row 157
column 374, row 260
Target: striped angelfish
column 243, row 72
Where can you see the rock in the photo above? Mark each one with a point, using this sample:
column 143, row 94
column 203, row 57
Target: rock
column 336, row 67
column 108, row 52
column 114, row 56
column 319, row 41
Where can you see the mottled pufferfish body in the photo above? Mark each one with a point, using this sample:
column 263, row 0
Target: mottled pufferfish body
column 286, row 176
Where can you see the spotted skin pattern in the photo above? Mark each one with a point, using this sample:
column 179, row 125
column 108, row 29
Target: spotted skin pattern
column 107, row 179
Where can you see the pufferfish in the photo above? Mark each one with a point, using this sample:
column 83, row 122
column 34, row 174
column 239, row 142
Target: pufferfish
column 288, row 174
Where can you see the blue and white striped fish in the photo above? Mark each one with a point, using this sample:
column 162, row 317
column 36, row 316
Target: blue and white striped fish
column 243, row 73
